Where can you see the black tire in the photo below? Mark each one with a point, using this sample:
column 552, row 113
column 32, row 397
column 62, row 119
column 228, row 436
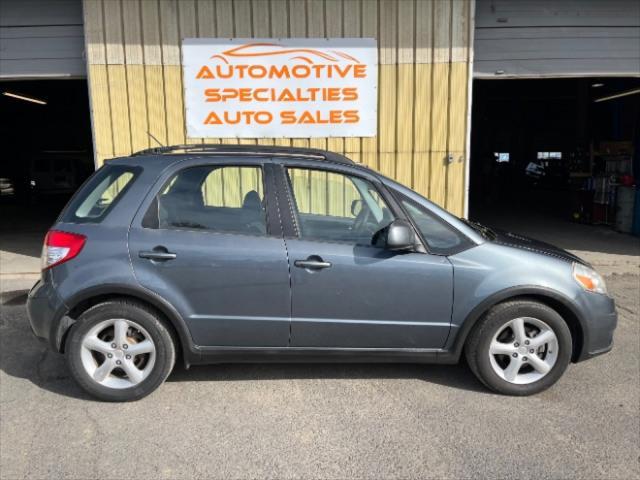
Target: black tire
column 130, row 310
column 477, row 345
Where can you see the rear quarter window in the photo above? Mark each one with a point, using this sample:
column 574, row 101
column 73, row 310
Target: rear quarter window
column 99, row 195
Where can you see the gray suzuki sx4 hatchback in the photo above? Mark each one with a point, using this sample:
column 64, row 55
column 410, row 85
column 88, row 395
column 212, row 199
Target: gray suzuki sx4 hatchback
column 219, row 253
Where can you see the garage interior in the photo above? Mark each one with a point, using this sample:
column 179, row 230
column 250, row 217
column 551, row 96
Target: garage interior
column 555, row 127
column 45, row 123
column 47, row 148
column 45, row 167
column 555, row 151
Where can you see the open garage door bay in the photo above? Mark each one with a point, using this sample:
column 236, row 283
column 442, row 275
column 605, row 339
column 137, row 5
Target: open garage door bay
column 555, row 129
column 45, row 123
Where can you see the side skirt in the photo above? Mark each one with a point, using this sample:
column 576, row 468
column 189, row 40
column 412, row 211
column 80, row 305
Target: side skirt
column 212, row 355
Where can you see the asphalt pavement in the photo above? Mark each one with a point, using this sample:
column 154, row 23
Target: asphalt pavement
column 320, row 421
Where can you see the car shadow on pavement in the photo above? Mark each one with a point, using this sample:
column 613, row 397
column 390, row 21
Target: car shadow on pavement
column 453, row 376
column 24, row 356
column 11, row 299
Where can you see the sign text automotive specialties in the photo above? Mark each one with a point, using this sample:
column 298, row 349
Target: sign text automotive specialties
column 280, row 87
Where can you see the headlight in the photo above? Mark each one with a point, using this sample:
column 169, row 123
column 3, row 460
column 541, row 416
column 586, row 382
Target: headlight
column 589, row 279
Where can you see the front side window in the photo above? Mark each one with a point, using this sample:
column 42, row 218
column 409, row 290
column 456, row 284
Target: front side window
column 221, row 199
column 440, row 237
column 100, row 194
column 336, row 207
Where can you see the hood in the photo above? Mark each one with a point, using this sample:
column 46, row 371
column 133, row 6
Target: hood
column 514, row 240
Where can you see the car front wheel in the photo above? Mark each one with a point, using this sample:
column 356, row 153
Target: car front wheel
column 519, row 347
column 119, row 351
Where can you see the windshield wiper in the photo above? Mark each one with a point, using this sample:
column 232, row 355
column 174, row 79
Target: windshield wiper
column 484, row 231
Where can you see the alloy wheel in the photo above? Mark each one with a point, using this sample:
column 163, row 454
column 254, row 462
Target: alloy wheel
column 524, row 350
column 118, row 353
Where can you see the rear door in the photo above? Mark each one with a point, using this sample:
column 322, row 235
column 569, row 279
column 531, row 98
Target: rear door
column 346, row 292
column 209, row 241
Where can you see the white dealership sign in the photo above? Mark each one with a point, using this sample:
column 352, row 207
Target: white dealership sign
column 294, row 87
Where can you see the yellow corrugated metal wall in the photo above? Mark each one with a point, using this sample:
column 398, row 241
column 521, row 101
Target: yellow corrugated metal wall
column 135, row 76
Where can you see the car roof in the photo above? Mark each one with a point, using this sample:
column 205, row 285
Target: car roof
column 171, row 154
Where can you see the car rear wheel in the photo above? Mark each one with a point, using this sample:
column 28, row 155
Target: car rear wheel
column 120, row 351
column 519, row 348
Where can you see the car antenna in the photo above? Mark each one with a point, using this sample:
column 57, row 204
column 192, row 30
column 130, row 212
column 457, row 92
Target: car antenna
column 157, row 141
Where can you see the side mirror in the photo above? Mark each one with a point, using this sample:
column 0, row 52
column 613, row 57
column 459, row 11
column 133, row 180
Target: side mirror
column 356, row 207
column 397, row 236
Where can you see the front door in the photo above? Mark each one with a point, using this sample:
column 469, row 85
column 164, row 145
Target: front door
column 348, row 293
column 208, row 246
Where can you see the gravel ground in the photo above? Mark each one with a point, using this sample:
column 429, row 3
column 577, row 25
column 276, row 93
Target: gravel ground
column 321, row 421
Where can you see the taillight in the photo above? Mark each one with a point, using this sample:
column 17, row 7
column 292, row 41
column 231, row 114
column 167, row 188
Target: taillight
column 60, row 246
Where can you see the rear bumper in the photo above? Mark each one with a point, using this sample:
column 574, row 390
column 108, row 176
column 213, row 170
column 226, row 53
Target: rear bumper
column 44, row 308
column 600, row 321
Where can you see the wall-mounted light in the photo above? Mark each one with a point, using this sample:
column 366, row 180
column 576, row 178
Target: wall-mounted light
column 26, row 99
column 597, row 85
column 618, row 95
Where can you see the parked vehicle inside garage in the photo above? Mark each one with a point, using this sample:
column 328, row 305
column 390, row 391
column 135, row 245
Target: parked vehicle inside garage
column 57, row 173
column 217, row 254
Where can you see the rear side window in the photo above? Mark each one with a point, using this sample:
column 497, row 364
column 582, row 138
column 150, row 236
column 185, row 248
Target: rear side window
column 94, row 201
column 225, row 199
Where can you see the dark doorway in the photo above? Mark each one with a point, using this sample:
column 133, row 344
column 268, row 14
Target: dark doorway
column 540, row 147
column 47, row 153
column 45, row 126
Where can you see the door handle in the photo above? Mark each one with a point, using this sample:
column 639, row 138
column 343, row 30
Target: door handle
column 157, row 255
column 314, row 262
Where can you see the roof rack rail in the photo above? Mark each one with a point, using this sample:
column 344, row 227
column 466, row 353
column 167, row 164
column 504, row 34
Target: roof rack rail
column 247, row 150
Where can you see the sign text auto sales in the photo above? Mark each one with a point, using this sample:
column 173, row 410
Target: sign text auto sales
column 280, row 88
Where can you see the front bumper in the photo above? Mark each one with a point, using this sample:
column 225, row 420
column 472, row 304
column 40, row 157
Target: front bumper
column 599, row 322
column 44, row 308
